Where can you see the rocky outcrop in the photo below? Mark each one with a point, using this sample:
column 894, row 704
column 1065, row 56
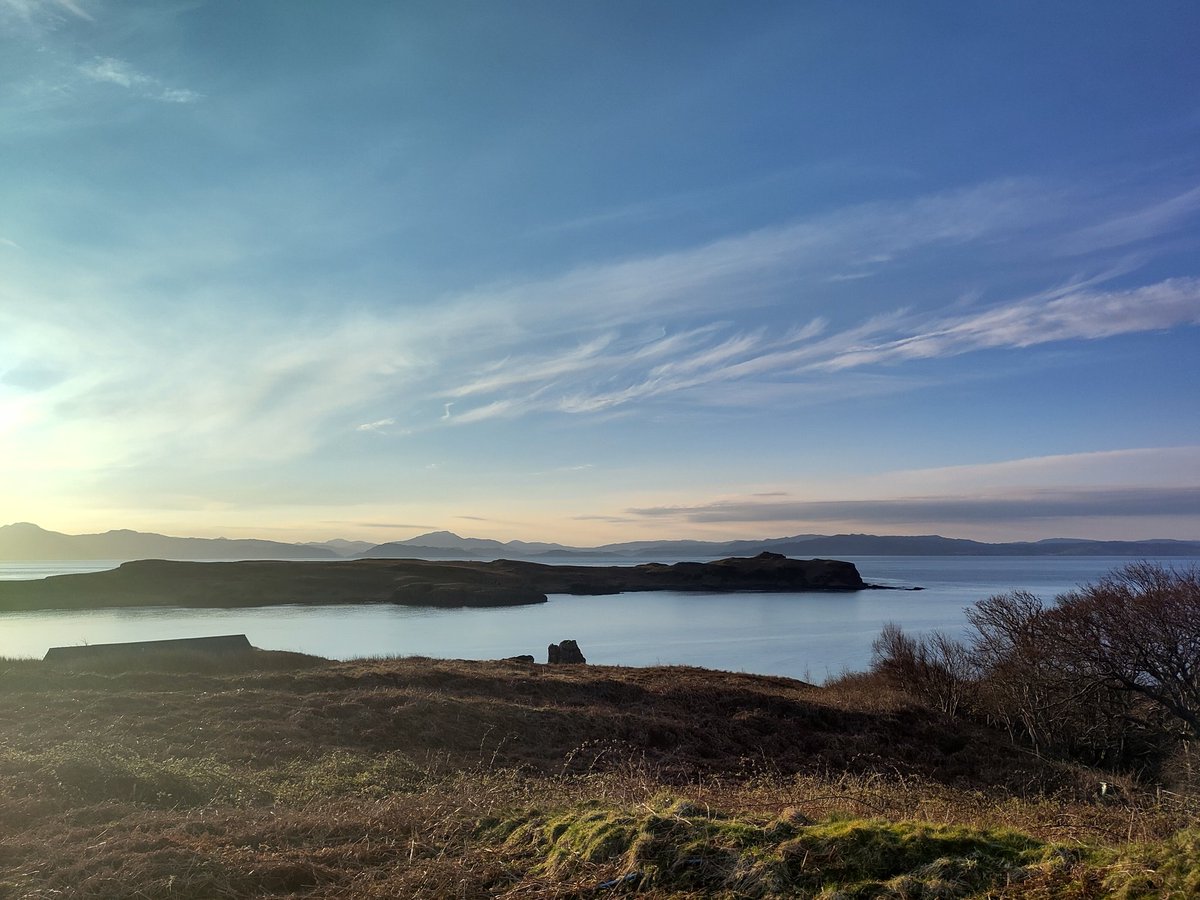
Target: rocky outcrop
column 564, row 652
column 410, row 582
column 765, row 572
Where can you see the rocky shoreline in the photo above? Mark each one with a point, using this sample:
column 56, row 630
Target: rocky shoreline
column 411, row 582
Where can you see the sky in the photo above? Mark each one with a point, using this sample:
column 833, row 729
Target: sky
column 600, row 271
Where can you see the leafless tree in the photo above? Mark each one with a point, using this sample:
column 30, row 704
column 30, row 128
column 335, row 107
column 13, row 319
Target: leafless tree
column 1138, row 630
column 1107, row 673
column 935, row 668
column 1020, row 683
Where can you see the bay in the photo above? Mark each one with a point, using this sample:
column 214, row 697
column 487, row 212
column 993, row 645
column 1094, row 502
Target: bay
column 813, row 636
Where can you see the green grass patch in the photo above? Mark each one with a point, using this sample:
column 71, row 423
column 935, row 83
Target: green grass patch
column 1164, row 869
column 670, row 847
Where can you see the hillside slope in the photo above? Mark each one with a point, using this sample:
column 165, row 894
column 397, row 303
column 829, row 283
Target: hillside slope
column 293, row 776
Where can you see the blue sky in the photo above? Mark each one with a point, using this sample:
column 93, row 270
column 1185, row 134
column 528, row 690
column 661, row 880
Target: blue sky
column 591, row 272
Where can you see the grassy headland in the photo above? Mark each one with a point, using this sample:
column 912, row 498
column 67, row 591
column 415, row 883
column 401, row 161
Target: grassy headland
column 279, row 775
column 410, row 582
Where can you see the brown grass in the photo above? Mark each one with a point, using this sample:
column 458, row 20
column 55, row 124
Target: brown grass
column 294, row 776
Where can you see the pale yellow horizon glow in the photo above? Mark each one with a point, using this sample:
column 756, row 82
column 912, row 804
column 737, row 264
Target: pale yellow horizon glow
column 589, row 514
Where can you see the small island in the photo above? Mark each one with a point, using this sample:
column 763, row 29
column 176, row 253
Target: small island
column 411, row 582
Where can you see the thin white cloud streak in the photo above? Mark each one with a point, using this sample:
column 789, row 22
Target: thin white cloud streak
column 113, row 71
column 177, row 95
column 32, row 11
column 494, row 410
column 1140, row 225
column 511, row 373
column 1086, row 315
column 378, row 425
column 731, row 349
column 110, row 70
column 75, row 9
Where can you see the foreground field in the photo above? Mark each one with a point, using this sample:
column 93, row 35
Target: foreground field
column 299, row 777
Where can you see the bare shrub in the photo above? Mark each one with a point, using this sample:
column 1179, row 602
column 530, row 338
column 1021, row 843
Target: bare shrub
column 1108, row 674
column 1031, row 685
column 935, row 669
column 1138, row 630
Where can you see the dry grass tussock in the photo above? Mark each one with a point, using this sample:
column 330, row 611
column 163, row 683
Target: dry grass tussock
column 289, row 776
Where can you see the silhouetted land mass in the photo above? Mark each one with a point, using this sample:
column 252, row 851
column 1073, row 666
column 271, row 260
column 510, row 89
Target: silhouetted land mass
column 446, row 545
column 24, row 541
column 409, row 582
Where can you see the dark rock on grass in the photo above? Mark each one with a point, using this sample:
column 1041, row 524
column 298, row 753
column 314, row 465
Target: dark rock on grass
column 566, row 652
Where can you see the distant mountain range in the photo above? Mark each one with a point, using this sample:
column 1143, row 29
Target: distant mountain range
column 24, row 541
column 445, row 545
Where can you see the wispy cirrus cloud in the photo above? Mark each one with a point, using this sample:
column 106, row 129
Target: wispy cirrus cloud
column 1134, row 226
column 603, row 339
column 1061, row 315
column 41, row 11
column 378, row 425
column 619, row 369
column 110, row 70
column 136, row 391
column 767, row 267
column 613, row 371
column 510, row 373
column 703, row 361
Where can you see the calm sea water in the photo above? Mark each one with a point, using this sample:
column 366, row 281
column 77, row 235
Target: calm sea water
column 812, row 636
